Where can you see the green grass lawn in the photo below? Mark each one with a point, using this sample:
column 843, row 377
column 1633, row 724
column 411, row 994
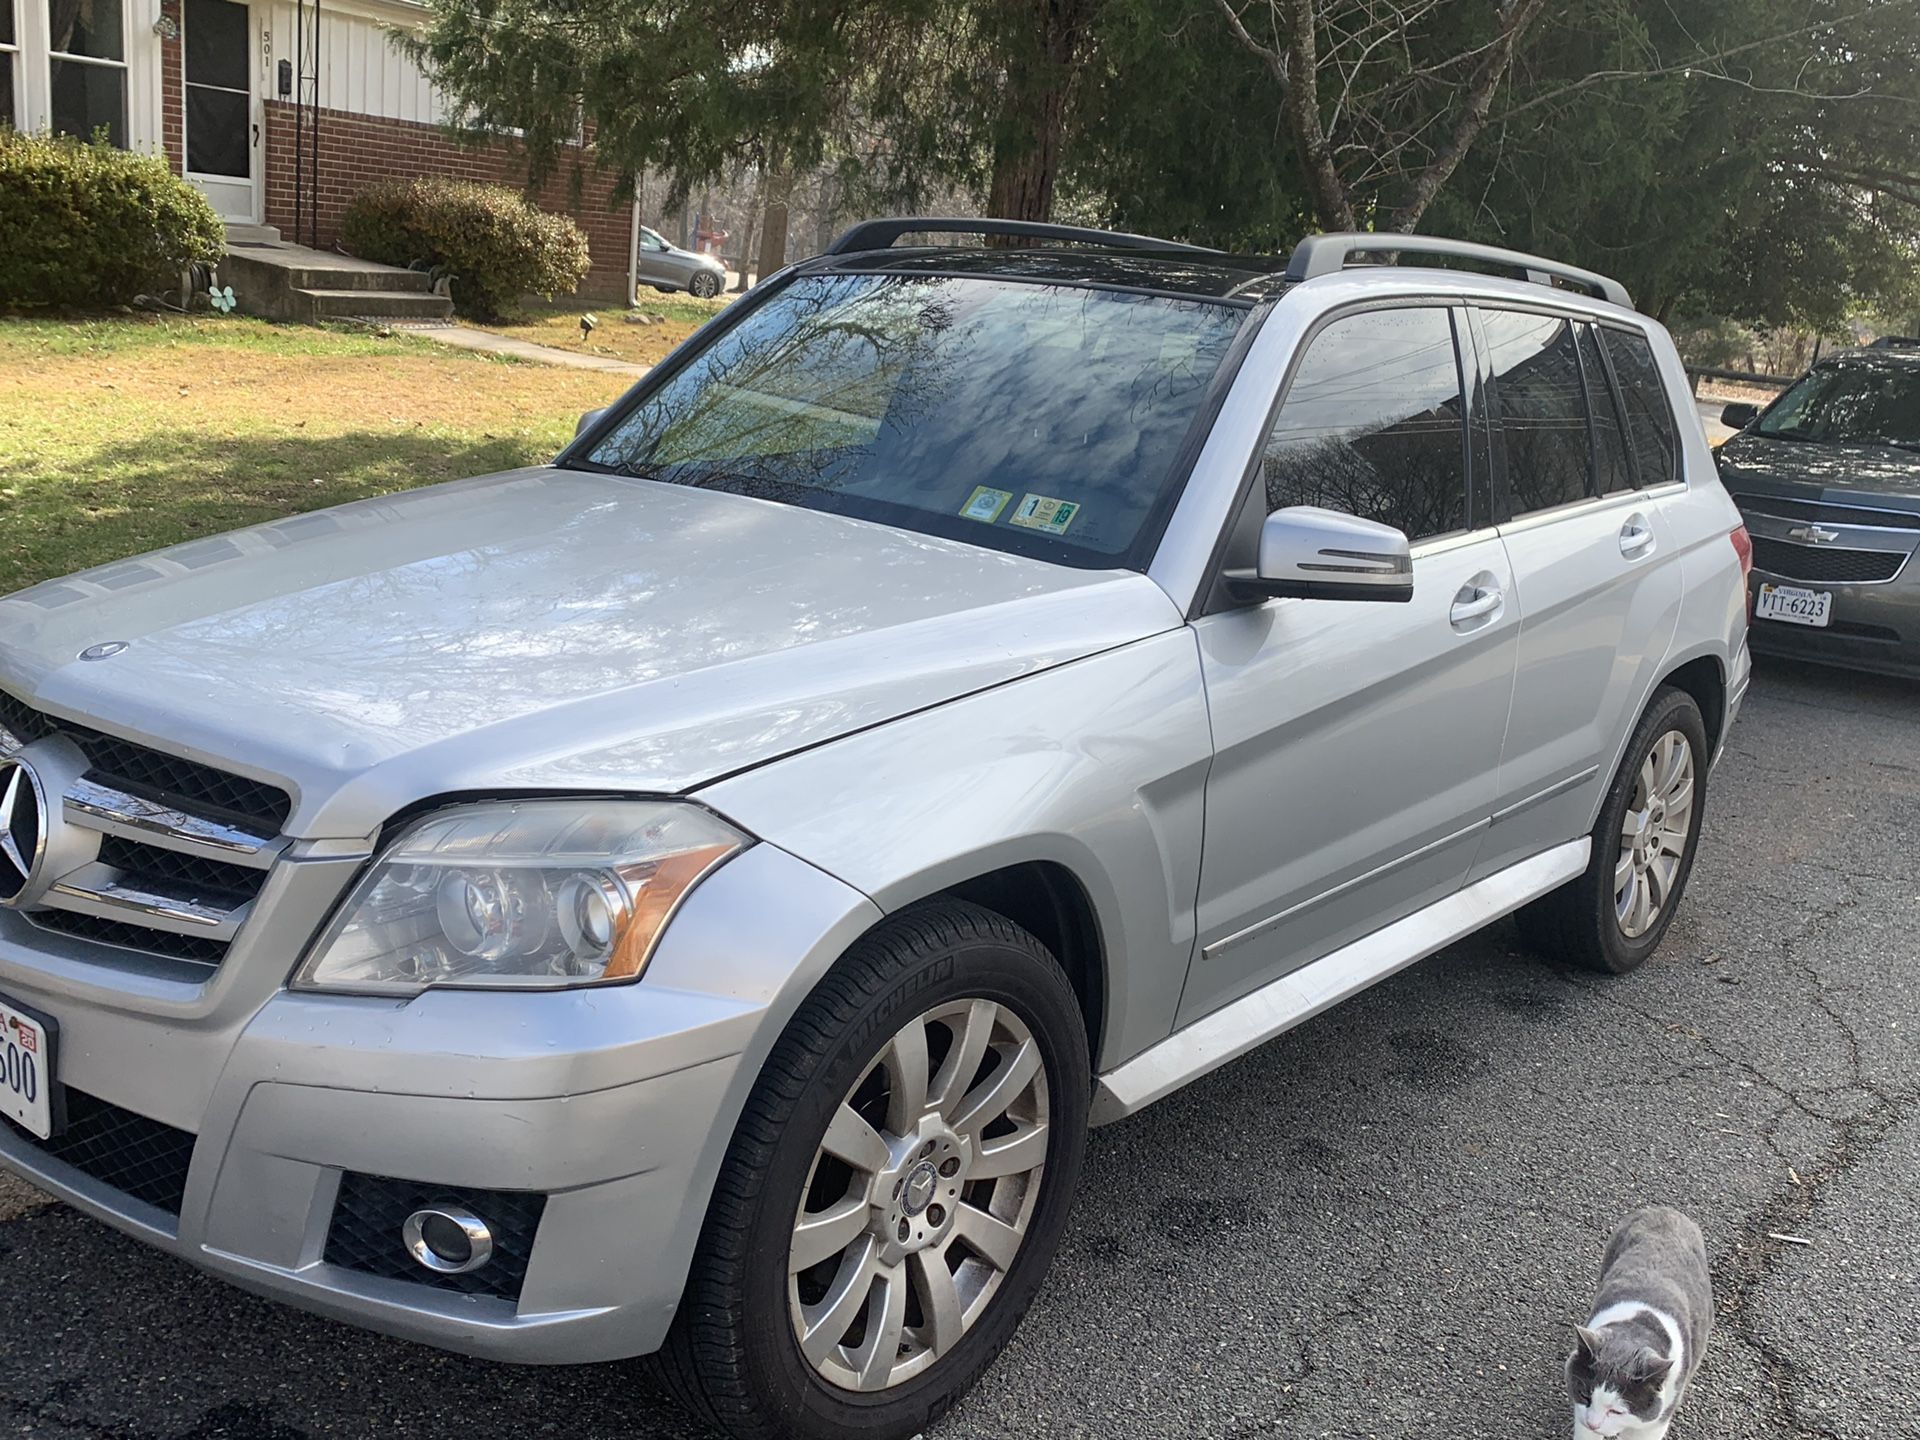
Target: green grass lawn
column 122, row 434
column 558, row 325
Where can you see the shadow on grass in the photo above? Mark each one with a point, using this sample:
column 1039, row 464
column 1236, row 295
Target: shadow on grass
column 125, row 498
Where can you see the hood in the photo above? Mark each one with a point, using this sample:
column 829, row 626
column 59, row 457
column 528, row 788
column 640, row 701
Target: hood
column 1755, row 465
column 542, row 630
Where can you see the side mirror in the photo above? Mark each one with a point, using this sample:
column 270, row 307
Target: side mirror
column 1740, row 415
column 1314, row 554
column 588, row 421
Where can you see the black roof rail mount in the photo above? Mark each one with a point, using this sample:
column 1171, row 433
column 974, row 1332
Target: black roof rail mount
column 1329, row 254
column 881, row 234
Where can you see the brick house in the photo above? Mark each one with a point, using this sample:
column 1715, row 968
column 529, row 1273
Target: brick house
column 279, row 110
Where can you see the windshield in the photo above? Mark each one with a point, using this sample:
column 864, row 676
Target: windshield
column 1850, row 405
column 1040, row 419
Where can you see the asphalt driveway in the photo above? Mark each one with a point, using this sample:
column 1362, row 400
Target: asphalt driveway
column 1381, row 1225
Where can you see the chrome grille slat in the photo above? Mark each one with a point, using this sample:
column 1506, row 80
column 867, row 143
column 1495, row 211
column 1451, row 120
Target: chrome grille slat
column 118, row 812
column 107, row 894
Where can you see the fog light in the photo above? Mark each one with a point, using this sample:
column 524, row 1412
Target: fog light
column 448, row 1241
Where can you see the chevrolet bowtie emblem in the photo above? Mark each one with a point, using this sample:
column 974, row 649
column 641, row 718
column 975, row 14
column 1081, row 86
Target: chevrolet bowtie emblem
column 1813, row 534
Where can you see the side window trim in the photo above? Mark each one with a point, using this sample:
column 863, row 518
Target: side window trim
column 1498, row 498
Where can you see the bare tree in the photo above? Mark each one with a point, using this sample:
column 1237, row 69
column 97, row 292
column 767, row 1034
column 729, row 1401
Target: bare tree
column 1368, row 114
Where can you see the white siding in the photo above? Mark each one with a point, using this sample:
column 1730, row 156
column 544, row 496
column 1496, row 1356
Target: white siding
column 360, row 70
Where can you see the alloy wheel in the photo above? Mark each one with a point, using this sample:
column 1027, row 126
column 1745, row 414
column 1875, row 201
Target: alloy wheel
column 1654, row 835
column 920, row 1196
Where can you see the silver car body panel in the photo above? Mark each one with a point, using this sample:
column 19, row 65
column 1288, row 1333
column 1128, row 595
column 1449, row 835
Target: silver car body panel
column 543, row 630
column 1265, row 808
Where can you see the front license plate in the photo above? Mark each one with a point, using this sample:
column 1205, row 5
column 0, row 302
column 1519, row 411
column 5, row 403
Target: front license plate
column 26, row 1071
column 1795, row 605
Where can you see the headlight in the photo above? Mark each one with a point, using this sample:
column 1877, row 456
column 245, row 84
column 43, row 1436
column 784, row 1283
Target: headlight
column 538, row 894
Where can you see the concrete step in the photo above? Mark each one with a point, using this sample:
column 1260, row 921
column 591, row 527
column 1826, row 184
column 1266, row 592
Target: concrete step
column 238, row 234
column 328, row 303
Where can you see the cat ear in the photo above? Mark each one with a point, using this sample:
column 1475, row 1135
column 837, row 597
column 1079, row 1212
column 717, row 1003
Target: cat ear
column 1650, row 1367
column 1590, row 1344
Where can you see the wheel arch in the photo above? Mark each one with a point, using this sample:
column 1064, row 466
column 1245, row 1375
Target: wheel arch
column 1704, row 678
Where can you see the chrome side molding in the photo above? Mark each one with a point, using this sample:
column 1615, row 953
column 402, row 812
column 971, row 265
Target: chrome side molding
column 1275, row 1008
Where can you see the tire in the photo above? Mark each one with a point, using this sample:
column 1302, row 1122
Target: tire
column 1592, row 921
column 970, row 983
column 704, row 285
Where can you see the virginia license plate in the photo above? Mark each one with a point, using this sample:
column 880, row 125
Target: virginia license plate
column 26, row 1071
column 1794, row 605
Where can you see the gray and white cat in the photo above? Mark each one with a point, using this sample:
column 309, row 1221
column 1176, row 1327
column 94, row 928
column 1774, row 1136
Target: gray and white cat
column 1630, row 1368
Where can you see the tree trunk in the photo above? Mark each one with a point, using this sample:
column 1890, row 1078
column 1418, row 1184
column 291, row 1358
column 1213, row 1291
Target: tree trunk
column 1033, row 115
column 747, row 256
column 777, row 191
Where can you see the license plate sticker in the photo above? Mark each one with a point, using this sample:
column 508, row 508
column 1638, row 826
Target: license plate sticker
column 1795, row 605
column 26, row 1070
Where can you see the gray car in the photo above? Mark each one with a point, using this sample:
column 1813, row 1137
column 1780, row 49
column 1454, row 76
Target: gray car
column 667, row 266
column 1828, row 479
column 695, row 896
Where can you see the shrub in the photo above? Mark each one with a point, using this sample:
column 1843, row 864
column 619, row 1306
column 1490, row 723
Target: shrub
column 496, row 244
column 88, row 224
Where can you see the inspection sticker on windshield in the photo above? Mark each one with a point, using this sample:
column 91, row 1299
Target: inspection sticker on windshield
column 1041, row 512
column 985, row 504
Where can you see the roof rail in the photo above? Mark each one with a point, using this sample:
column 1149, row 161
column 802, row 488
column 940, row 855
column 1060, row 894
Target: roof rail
column 1328, row 254
column 881, row 234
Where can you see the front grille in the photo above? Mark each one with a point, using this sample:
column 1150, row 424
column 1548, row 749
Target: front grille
column 1821, row 565
column 132, row 1154
column 1782, row 508
column 365, row 1232
column 184, row 848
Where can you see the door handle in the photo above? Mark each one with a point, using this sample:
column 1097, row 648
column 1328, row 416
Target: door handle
column 1636, row 537
column 1479, row 599
column 256, row 137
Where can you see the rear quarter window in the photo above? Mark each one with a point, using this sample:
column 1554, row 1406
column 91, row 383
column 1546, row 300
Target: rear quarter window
column 1650, row 427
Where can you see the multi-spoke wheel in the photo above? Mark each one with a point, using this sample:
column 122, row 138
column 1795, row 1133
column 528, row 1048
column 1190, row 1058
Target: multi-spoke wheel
column 1655, row 835
column 920, row 1196
column 1612, row 917
column 896, row 1189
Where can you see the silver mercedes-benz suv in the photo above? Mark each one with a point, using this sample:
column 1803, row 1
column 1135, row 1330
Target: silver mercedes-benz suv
column 695, row 896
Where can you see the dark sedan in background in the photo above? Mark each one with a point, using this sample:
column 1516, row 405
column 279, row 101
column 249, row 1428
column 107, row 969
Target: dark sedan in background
column 1828, row 478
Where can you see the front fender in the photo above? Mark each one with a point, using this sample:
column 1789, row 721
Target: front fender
column 1099, row 766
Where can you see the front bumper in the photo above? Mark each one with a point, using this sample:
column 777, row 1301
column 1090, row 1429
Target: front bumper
column 616, row 1104
column 1873, row 627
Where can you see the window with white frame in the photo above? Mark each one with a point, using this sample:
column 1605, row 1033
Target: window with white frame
column 87, row 67
column 10, row 83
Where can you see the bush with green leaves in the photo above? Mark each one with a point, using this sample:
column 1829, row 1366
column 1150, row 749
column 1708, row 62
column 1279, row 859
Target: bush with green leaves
column 494, row 242
column 86, row 224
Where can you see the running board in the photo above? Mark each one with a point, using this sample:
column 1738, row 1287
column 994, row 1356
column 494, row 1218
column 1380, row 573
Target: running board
column 1273, row 1009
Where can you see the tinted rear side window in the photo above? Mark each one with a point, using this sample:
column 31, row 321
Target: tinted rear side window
column 1611, row 471
column 1372, row 424
column 1649, row 417
column 1542, row 408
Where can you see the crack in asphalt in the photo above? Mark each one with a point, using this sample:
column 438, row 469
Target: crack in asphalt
column 1741, row 1270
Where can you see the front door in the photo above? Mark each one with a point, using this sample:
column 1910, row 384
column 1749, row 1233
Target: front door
column 222, row 124
column 1357, row 744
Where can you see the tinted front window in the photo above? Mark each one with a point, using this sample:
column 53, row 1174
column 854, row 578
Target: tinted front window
column 1543, row 410
column 1649, row 417
column 1850, row 405
column 1611, row 471
column 1036, row 418
column 1372, row 424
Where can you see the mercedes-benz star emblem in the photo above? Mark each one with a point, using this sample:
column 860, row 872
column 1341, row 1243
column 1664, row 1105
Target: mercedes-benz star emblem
column 23, row 828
